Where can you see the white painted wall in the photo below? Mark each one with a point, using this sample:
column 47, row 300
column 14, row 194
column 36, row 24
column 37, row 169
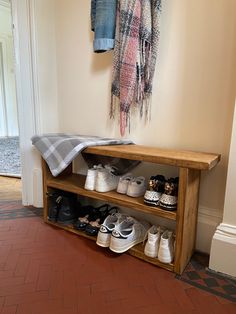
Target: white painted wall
column 8, row 106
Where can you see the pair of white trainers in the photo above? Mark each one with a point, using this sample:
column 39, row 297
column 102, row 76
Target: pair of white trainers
column 120, row 232
column 132, row 186
column 101, row 179
column 160, row 244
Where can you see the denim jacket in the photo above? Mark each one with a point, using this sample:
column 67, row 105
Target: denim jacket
column 103, row 23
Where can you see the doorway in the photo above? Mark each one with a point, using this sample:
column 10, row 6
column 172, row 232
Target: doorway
column 9, row 129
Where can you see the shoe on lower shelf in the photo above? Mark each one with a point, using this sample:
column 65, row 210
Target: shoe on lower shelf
column 68, row 212
column 54, row 201
column 137, row 187
column 127, row 234
column 166, row 247
column 100, row 214
column 152, row 244
column 109, row 224
column 89, row 213
column 63, row 207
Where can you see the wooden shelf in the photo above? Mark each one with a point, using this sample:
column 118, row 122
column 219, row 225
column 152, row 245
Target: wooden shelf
column 137, row 250
column 178, row 158
column 190, row 165
column 75, row 183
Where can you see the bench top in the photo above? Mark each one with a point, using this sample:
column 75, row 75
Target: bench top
column 178, row 158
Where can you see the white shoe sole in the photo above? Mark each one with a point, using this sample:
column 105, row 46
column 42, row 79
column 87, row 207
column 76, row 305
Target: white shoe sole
column 165, row 260
column 103, row 239
column 137, row 194
column 150, row 254
column 90, row 188
column 104, row 189
column 121, row 190
column 118, row 245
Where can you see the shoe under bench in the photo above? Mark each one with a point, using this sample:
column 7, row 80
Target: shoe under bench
column 190, row 165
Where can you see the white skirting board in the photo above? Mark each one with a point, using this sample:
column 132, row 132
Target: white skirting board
column 223, row 250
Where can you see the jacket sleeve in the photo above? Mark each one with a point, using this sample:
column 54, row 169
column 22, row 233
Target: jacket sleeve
column 104, row 23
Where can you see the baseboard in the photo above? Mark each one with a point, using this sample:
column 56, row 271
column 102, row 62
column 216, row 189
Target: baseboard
column 208, row 220
column 223, row 250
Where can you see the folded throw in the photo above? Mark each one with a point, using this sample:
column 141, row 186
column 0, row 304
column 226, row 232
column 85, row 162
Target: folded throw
column 59, row 150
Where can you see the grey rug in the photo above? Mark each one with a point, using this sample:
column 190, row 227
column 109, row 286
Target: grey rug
column 10, row 156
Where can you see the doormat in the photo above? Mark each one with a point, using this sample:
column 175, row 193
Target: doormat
column 198, row 275
column 10, row 156
column 15, row 210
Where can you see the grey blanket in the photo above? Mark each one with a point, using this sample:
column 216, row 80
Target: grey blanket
column 59, row 150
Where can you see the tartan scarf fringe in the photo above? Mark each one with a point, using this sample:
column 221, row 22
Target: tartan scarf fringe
column 135, row 54
column 143, row 109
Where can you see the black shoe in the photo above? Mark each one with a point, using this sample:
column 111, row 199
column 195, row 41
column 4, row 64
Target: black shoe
column 94, row 225
column 85, row 213
column 169, row 198
column 155, row 189
column 54, row 206
column 62, row 207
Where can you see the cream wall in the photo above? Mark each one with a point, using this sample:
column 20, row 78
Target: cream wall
column 193, row 98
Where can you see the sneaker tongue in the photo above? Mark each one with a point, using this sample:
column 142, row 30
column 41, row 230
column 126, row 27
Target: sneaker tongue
column 112, row 169
column 152, row 237
column 126, row 228
column 126, row 232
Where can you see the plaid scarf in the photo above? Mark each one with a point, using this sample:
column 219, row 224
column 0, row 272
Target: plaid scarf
column 135, row 54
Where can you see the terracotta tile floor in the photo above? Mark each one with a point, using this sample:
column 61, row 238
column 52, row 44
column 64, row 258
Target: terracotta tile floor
column 47, row 270
column 44, row 270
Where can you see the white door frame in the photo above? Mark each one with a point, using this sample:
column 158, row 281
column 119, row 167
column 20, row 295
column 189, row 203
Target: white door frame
column 27, row 98
column 3, row 117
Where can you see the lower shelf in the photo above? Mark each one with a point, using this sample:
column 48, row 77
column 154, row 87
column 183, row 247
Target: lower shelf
column 136, row 251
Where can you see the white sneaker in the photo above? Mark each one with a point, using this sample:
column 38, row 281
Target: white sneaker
column 166, row 247
column 106, row 179
column 152, row 244
column 91, row 177
column 127, row 234
column 124, row 182
column 109, row 224
column 137, row 187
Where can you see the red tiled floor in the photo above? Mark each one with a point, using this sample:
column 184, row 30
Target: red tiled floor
column 44, row 270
